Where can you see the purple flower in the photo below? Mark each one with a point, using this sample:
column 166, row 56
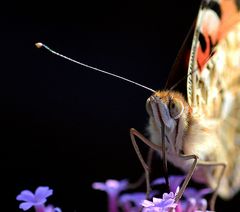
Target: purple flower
column 38, row 199
column 192, row 205
column 174, row 181
column 197, row 194
column 136, row 198
column 161, row 205
column 50, row 208
column 113, row 188
column 132, row 202
column 195, row 200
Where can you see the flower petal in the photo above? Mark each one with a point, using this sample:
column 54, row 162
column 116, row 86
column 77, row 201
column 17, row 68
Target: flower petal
column 204, row 192
column 123, row 184
column 25, row 205
column 26, row 196
column 191, row 204
column 167, row 196
column 158, row 181
column 177, row 190
column 117, row 185
column 42, row 192
column 136, row 198
column 157, row 200
column 197, row 194
column 189, row 193
column 114, row 184
column 40, row 201
column 147, row 203
column 167, row 204
column 152, row 209
column 57, row 210
column 49, row 208
column 99, row 186
column 202, row 204
column 175, row 181
column 112, row 187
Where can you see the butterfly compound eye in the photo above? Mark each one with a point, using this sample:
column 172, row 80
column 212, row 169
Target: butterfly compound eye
column 176, row 108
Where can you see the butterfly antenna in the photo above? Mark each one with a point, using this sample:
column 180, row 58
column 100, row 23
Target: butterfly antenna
column 177, row 83
column 40, row 45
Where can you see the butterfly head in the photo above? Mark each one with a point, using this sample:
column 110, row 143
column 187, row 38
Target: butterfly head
column 169, row 115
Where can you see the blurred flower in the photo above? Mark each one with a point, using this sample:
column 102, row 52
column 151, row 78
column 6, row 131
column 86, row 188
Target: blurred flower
column 197, row 194
column 194, row 199
column 50, row 208
column 38, row 199
column 113, row 188
column 132, row 202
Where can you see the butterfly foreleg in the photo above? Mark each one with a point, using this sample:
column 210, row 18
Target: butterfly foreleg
column 141, row 179
column 189, row 174
column 215, row 191
column 146, row 165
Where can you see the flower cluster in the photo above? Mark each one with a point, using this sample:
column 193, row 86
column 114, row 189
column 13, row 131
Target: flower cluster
column 128, row 202
column 134, row 202
column 36, row 200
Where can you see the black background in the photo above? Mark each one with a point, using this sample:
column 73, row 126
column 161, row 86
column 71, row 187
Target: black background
column 63, row 125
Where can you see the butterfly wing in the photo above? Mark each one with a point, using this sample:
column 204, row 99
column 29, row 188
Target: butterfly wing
column 178, row 74
column 213, row 84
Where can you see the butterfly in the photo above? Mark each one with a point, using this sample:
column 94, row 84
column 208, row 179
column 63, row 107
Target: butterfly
column 194, row 123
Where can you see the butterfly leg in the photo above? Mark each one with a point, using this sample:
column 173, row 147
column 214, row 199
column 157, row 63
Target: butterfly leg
column 215, row 192
column 141, row 180
column 189, row 174
column 133, row 133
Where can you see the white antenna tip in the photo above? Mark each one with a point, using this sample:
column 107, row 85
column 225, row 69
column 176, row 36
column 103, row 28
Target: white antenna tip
column 39, row 45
